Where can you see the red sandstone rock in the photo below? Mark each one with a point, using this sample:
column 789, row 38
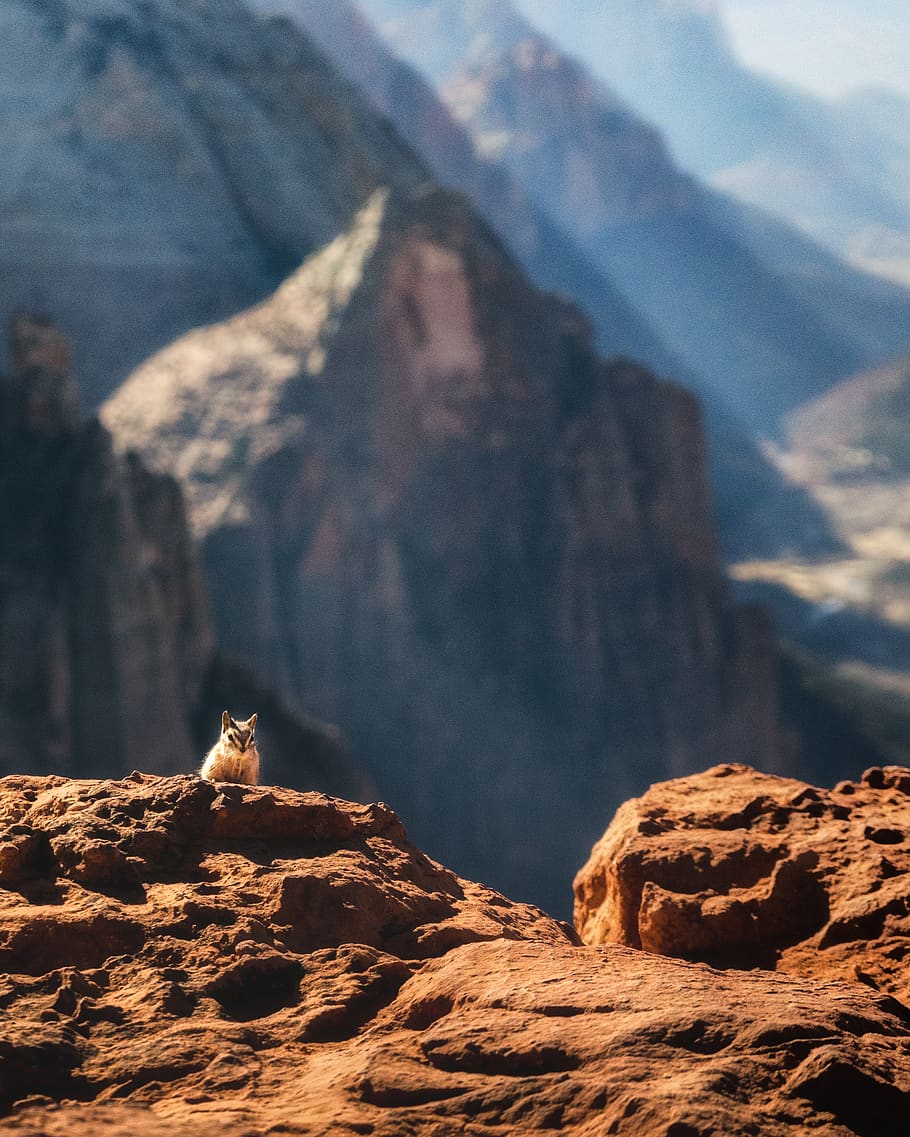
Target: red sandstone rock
column 740, row 869
column 184, row 958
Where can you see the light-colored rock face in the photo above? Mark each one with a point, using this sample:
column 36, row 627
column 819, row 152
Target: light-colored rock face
column 179, row 958
column 211, row 407
column 744, row 869
column 431, row 515
column 164, row 165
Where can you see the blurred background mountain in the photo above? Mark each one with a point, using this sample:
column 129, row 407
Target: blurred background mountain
column 513, row 364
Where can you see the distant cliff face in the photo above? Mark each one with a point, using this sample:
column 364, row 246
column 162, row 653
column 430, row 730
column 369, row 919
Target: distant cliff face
column 428, row 507
column 835, row 169
column 164, row 164
column 740, row 326
column 105, row 632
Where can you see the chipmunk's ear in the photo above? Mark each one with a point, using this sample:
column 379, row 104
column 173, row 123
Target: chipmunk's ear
column 251, row 721
column 225, row 720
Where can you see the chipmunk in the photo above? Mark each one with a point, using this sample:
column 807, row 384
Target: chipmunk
column 234, row 757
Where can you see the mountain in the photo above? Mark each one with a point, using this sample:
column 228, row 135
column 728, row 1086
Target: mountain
column 805, row 159
column 756, row 330
column 159, row 173
column 672, row 247
column 108, row 654
column 430, row 509
column 759, row 514
column 551, row 257
column 163, row 165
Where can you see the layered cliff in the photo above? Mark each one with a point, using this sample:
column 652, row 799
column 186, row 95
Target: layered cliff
column 105, row 631
column 182, row 958
column 428, row 508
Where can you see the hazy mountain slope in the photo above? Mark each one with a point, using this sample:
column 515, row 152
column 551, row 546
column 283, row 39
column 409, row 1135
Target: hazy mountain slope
column 850, row 450
column 163, row 164
column 552, row 258
column 759, row 515
column 487, row 554
column 753, row 335
column 806, row 160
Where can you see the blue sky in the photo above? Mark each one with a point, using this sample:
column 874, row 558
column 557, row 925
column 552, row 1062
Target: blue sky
column 829, row 46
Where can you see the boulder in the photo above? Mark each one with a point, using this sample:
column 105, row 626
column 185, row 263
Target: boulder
column 746, row 869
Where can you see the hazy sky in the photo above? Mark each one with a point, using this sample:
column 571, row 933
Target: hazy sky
column 829, row 46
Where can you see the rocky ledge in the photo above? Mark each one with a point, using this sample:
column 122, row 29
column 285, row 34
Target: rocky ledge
column 743, row 869
column 182, row 957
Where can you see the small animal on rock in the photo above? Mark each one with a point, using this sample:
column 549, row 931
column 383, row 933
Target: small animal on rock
column 234, row 757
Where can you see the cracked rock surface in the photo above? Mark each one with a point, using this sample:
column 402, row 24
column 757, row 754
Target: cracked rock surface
column 183, row 957
column 743, row 869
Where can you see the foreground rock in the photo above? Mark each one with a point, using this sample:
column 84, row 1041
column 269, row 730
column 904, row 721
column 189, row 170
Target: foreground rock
column 743, row 869
column 181, row 957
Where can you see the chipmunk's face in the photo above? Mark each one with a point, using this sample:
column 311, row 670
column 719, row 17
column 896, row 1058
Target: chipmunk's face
column 239, row 734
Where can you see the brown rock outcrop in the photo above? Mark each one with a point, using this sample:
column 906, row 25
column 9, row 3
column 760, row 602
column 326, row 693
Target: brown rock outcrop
column 742, row 869
column 239, row 960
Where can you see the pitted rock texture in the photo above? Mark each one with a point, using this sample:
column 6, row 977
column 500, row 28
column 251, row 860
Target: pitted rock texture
column 745, row 869
column 183, row 957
